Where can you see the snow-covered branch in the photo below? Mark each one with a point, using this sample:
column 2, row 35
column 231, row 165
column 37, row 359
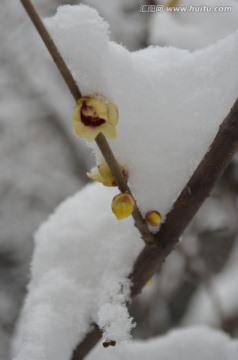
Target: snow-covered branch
column 162, row 136
column 191, row 198
column 100, row 140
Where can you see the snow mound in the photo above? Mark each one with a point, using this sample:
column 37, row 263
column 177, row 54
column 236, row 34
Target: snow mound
column 79, row 272
column 196, row 28
column 170, row 101
column 193, row 343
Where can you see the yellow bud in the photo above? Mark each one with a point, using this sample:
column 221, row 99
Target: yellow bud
column 180, row 238
column 148, row 282
column 172, row 3
column 94, row 114
column 123, row 205
column 153, row 218
column 104, row 174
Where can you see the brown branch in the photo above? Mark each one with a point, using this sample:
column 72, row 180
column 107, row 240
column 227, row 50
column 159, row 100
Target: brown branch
column 75, row 91
column 191, row 198
column 87, row 344
column 189, row 201
column 230, row 324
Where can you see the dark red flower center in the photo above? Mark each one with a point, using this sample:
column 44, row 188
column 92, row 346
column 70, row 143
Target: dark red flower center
column 89, row 116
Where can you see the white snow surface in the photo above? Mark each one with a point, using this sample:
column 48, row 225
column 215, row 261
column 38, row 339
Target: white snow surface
column 82, row 258
column 170, row 101
column 193, row 343
column 193, row 29
column 127, row 24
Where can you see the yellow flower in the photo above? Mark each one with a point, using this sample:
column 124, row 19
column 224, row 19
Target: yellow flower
column 123, row 205
column 153, row 218
column 94, row 114
column 104, row 174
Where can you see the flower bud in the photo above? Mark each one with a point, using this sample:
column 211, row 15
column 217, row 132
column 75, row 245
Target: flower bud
column 149, row 282
column 153, row 218
column 123, row 205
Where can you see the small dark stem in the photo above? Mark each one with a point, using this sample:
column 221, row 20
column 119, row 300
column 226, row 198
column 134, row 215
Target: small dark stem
column 123, row 187
column 110, row 159
column 87, row 344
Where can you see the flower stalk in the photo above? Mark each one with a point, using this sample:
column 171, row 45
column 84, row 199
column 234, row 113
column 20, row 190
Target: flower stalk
column 100, row 139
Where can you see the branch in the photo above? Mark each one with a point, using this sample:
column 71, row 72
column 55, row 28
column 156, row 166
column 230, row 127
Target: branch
column 196, row 191
column 91, row 340
column 49, row 43
column 191, row 198
column 123, row 187
column 75, row 91
column 189, row 201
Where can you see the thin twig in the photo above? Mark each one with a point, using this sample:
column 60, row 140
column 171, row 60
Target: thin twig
column 49, row 43
column 123, row 187
column 87, row 344
column 193, row 195
column 75, row 91
column 230, row 324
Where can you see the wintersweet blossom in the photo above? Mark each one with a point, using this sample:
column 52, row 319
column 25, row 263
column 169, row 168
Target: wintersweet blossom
column 153, row 218
column 104, row 175
column 123, row 205
column 94, row 114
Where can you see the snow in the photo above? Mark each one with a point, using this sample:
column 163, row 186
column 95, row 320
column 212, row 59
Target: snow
column 38, row 165
column 79, row 272
column 170, row 101
column 126, row 23
column 193, row 343
column 193, row 30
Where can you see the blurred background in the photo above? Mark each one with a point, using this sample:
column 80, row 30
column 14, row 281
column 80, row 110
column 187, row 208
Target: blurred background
column 42, row 163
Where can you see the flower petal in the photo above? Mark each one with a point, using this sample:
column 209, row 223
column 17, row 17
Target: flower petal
column 113, row 113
